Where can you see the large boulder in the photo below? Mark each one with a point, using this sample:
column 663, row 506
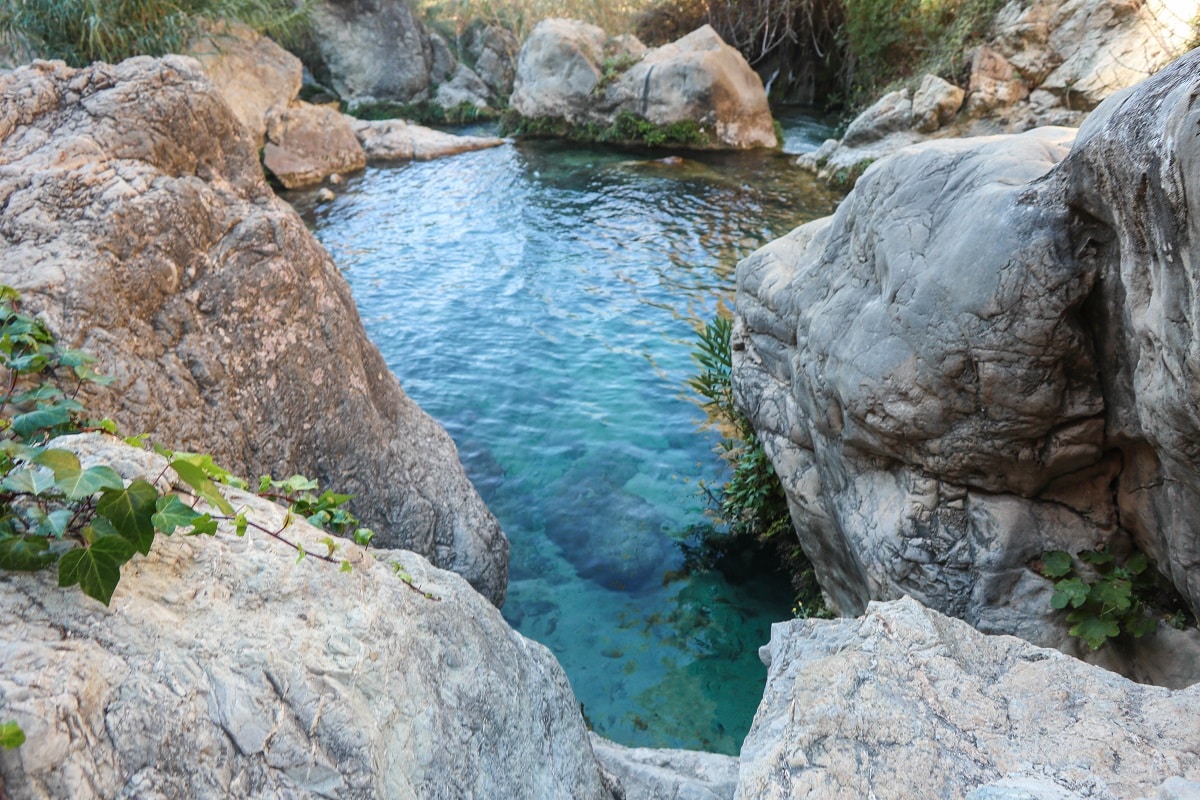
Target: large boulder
column 226, row 668
column 397, row 140
column 254, row 75
column 905, row 703
column 572, row 72
column 307, row 143
column 374, row 49
column 137, row 222
column 987, row 353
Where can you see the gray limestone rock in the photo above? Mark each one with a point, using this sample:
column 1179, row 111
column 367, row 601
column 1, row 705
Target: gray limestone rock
column 226, row 668
column 985, row 354
column 643, row 773
column 465, row 87
column 905, row 703
column 494, row 51
column 891, row 113
column 374, row 49
column 137, row 222
column 572, row 71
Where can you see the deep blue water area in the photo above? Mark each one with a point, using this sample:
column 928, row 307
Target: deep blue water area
column 541, row 300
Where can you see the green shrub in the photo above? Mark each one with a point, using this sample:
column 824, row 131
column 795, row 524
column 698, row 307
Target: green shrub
column 423, row 113
column 626, row 129
column 750, row 509
column 83, row 31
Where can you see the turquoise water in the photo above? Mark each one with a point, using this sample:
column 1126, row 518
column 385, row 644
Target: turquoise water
column 540, row 301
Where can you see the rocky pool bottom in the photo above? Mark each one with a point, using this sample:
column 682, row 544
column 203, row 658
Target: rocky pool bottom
column 541, row 300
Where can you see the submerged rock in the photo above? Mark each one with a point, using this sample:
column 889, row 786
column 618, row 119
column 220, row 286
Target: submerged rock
column 225, row 668
column 138, row 224
column 905, row 703
column 986, row 354
column 574, row 75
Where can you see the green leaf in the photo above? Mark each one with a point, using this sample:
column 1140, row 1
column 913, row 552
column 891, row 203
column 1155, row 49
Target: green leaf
column 346, row 567
column 56, row 522
column 28, row 481
column 97, row 568
column 296, row 483
column 1138, row 625
column 203, row 524
column 131, row 512
column 1096, row 631
column 1114, row 596
column 25, row 425
column 1096, row 557
column 1073, row 592
column 212, row 469
column 240, row 523
column 172, row 513
column 1137, row 564
column 194, row 476
column 25, row 553
column 329, row 543
column 90, row 481
column 61, row 462
column 363, row 536
column 11, row 736
column 85, row 373
column 1056, row 563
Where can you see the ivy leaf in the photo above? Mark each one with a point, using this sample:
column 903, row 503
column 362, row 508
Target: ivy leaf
column 194, row 476
column 97, row 568
column 131, row 511
column 28, row 481
column 1056, row 564
column 1096, row 631
column 55, row 523
column 90, row 481
column 204, row 524
column 11, row 736
column 363, row 536
column 1073, row 592
column 25, row 553
column 25, row 425
column 345, row 567
column 61, row 462
column 172, row 513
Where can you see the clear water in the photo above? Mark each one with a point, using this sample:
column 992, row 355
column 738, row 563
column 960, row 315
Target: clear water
column 540, row 301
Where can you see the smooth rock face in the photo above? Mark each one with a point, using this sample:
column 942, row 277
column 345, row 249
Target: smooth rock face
column 464, row 87
column 253, row 74
column 696, row 79
column 397, row 140
column 224, row 668
column 307, row 143
column 495, row 52
column 890, row 113
column 987, row 354
column 642, row 773
column 905, row 703
column 137, row 221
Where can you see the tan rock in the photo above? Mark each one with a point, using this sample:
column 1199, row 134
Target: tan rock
column 398, row 140
column 995, row 83
column 935, row 103
column 253, row 74
column 307, row 143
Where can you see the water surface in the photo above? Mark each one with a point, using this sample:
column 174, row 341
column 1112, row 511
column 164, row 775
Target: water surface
column 540, row 300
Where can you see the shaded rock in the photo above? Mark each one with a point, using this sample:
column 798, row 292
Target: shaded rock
column 983, row 356
column 494, row 51
column 573, row 72
column 253, row 74
column 935, row 103
column 905, row 703
column 307, row 143
column 642, row 773
column 890, row 113
column 138, row 224
column 374, row 48
column 442, row 60
column 465, row 88
column 1085, row 50
column 225, row 668
column 994, row 82
column 397, row 140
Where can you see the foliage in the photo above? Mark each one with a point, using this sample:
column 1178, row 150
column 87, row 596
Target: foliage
column 521, row 16
column 611, row 68
column 1104, row 600
column 626, row 129
column 750, row 507
column 11, row 735
column 423, row 113
column 83, row 31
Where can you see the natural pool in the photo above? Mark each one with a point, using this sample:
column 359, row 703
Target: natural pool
column 540, row 301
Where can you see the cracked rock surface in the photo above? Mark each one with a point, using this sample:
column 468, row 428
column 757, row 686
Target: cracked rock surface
column 136, row 220
column 226, row 668
column 988, row 352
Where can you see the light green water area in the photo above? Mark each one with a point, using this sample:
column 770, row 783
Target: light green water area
column 540, row 300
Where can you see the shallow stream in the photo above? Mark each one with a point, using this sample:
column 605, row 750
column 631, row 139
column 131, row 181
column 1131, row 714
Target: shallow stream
column 540, row 301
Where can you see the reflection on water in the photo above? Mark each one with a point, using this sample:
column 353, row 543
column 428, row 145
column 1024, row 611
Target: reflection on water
column 540, row 301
